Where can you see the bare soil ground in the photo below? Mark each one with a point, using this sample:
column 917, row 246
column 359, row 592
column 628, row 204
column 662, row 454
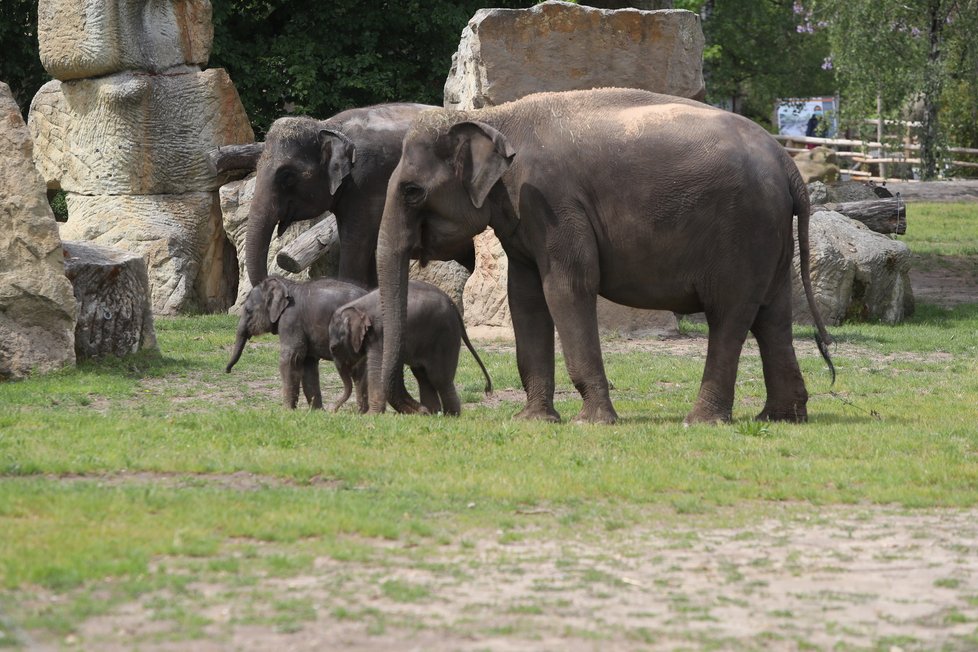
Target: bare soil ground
column 783, row 577
column 805, row 579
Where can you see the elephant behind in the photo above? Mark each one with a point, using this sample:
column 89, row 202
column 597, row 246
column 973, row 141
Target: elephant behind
column 341, row 164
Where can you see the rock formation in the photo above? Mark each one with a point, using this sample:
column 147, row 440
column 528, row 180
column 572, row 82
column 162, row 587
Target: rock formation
column 857, row 274
column 37, row 308
column 124, row 130
column 505, row 54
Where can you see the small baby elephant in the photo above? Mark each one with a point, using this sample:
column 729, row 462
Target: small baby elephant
column 299, row 313
column 434, row 330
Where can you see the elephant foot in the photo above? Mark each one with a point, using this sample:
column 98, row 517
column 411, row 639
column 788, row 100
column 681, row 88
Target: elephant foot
column 538, row 413
column 790, row 414
column 707, row 415
column 604, row 414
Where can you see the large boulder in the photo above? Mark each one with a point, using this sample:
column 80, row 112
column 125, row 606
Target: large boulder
column 857, row 274
column 94, row 38
column 112, row 289
column 192, row 265
column 37, row 308
column 505, row 54
column 136, row 134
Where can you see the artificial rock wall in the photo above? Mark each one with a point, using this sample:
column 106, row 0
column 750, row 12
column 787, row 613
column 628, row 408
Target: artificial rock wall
column 37, row 307
column 124, row 129
column 505, row 54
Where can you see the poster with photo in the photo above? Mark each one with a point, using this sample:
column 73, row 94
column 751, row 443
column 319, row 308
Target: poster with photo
column 813, row 116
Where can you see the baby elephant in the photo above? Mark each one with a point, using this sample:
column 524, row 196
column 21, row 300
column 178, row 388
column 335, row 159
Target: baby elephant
column 299, row 313
column 434, row 330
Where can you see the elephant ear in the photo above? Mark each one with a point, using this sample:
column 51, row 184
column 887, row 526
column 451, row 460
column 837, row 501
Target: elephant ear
column 277, row 298
column 359, row 330
column 482, row 155
column 338, row 155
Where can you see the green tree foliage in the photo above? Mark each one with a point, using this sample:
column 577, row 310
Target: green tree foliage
column 20, row 64
column 755, row 53
column 918, row 57
column 318, row 58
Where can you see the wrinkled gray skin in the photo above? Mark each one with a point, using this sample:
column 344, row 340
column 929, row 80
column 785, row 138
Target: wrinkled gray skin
column 299, row 314
column 342, row 164
column 434, row 331
column 649, row 200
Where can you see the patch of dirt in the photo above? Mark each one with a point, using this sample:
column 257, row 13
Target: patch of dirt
column 952, row 283
column 853, row 578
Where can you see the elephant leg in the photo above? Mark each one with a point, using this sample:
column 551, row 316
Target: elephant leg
column 429, row 395
column 291, row 372
column 787, row 397
column 534, row 331
column 360, row 385
column 310, row 383
column 728, row 331
column 576, row 318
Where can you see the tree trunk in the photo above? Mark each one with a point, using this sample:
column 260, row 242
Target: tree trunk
column 933, row 86
column 884, row 215
column 115, row 316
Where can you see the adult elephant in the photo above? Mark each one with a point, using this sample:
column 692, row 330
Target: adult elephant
column 649, row 200
column 341, row 164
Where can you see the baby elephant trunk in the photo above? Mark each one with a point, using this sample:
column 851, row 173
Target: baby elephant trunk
column 239, row 345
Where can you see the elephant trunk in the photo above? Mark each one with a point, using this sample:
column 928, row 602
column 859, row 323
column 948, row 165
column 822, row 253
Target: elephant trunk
column 345, row 376
column 239, row 345
column 261, row 226
column 393, row 252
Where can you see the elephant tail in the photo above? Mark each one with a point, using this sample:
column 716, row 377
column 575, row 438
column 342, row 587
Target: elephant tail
column 803, row 209
column 468, row 344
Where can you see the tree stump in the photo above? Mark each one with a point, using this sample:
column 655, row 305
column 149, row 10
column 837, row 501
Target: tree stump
column 115, row 316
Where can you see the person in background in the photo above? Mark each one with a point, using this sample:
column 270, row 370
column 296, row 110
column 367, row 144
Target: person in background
column 815, row 128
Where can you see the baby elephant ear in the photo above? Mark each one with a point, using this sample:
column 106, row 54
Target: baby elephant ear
column 339, row 155
column 482, row 155
column 359, row 326
column 277, row 298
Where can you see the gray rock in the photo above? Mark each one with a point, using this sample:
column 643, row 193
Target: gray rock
column 505, row 54
column 136, row 134
column 192, row 266
column 857, row 274
column 94, row 38
column 37, row 307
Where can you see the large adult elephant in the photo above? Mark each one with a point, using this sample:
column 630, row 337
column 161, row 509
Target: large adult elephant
column 341, row 164
column 649, row 200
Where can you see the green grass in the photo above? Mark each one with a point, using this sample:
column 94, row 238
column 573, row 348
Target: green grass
column 109, row 468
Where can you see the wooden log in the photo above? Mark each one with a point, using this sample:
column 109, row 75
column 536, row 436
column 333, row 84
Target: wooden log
column 884, row 215
column 234, row 158
column 309, row 247
column 115, row 316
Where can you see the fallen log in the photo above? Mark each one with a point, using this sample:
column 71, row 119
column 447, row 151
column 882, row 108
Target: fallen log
column 884, row 215
column 234, row 157
column 309, row 247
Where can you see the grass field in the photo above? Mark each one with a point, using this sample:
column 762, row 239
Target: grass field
column 159, row 503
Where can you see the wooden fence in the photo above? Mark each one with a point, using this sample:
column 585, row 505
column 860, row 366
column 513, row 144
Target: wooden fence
column 869, row 152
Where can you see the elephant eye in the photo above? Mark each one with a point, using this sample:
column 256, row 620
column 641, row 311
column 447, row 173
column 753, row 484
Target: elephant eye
column 413, row 193
column 286, row 177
